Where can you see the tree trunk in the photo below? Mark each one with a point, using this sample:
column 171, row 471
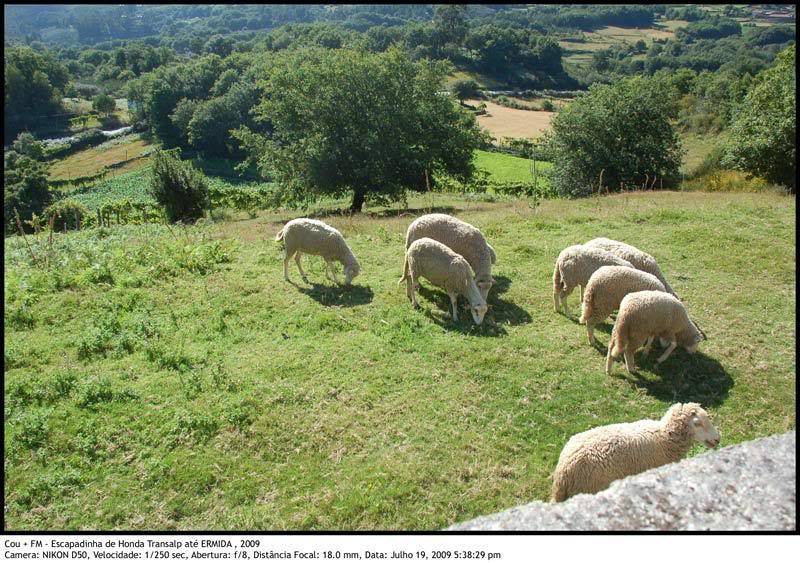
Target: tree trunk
column 358, row 202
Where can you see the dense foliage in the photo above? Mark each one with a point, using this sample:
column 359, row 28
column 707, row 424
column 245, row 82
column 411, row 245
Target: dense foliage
column 623, row 131
column 373, row 125
column 179, row 187
column 763, row 135
column 25, row 190
column 34, row 84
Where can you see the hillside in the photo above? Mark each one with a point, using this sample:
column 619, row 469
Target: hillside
column 168, row 378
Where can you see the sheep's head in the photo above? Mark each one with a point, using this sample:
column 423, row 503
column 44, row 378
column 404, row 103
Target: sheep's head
column 484, row 285
column 690, row 338
column 351, row 271
column 478, row 312
column 702, row 429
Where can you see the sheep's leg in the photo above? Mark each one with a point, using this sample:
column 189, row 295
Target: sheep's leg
column 556, row 301
column 581, row 294
column 590, row 333
column 565, row 306
column 630, row 361
column 648, row 345
column 330, row 268
column 286, row 267
column 667, row 352
column 300, row 267
column 610, row 357
column 412, row 287
column 454, row 303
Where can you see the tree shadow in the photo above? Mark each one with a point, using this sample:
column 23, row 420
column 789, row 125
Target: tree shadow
column 339, row 295
column 681, row 378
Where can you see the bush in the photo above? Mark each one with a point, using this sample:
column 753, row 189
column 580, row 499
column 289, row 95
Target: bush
column 69, row 214
column 26, row 144
column 25, row 189
column 104, row 103
column 623, row 131
column 179, row 187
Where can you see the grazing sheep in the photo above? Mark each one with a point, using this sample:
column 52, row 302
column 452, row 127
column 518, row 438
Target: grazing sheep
column 574, row 266
column 441, row 266
column 463, row 239
column 592, row 460
column 605, row 290
column 644, row 315
column 317, row 238
column 641, row 260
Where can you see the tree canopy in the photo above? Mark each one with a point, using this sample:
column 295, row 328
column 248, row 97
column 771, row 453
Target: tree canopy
column 348, row 121
column 762, row 140
column 622, row 130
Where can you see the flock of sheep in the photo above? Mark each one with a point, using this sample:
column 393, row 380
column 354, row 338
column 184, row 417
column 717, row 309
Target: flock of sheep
column 611, row 275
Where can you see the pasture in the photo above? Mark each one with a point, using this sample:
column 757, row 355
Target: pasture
column 508, row 168
column 501, row 121
column 124, row 154
column 168, row 378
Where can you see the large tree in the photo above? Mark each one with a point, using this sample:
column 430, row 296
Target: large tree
column 349, row 121
column 762, row 140
column 623, row 130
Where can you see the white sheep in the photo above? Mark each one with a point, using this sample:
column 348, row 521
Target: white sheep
column 444, row 268
column 592, row 460
column 605, row 290
column 463, row 239
column 641, row 260
column 320, row 239
column 644, row 315
column 574, row 266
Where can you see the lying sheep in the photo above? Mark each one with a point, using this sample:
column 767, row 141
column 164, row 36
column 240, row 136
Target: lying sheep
column 462, row 238
column 644, row 315
column 605, row 290
column 641, row 260
column 592, row 460
column 574, row 266
column 317, row 238
column 441, row 266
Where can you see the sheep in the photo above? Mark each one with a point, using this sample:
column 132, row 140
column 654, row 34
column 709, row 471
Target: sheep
column 605, row 290
column 574, row 266
column 592, row 460
column 462, row 238
column 644, row 315
column 441, row 266
column 641, row 260
column 320, row 239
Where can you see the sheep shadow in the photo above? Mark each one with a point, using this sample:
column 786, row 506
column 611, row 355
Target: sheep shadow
column 502, row 311
column 465, row 324
column 338, row 295
column 681, row 378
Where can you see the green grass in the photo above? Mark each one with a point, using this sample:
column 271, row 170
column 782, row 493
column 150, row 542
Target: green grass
column 170, row 379
column 508, row 168
column 697, row 147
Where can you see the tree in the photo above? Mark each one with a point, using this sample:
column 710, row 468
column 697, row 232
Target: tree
column 179, row 187
column 104, row 103
column 219, row 45
column 349, row 121
column 450, row 24
column 622, row 130
column 25, row 189
column 27, row 145
column 762, row 137
column 465, row 88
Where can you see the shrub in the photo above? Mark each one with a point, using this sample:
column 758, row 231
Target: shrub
column 179, row 187
column 623, row 131
column 27, row 145
column 104, row 103
column 69, row 214
column 25, row 189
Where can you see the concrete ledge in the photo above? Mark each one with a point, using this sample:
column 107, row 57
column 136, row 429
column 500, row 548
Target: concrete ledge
column 749, row 486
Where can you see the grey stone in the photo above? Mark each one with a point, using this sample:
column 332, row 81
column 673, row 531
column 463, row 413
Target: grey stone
column 748, row 486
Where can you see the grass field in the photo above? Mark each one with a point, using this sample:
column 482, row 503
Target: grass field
column 501, row 121
column 170, row 379
column 508, row 168
column 697, row 147
column 93, row 160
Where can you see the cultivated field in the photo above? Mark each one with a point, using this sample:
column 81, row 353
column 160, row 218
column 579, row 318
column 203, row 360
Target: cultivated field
column 124, row 154
column 501, row 121
column 168, row 378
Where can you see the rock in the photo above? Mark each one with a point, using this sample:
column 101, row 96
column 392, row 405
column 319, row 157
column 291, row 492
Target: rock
column 748, row 486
